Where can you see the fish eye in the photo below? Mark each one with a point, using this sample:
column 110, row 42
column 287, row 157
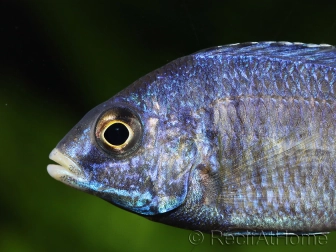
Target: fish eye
column 119, row 131
column 117, row 134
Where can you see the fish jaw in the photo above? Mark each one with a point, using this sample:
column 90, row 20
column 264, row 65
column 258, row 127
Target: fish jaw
column 66, row 171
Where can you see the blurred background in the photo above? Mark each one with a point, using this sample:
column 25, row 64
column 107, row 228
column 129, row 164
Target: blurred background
column 58, row 59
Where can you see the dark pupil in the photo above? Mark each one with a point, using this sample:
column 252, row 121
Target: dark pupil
column 116, row 134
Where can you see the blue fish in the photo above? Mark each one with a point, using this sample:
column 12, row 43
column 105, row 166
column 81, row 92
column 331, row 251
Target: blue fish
column 239, row 138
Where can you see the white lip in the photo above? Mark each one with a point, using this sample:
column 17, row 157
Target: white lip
column 65, row 170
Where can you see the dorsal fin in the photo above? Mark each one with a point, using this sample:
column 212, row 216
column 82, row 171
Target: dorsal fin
column 322, row 54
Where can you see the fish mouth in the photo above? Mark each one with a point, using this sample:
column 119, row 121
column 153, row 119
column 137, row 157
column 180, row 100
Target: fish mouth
column 66, row 171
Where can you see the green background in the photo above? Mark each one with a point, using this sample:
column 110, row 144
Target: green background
column 58, row 59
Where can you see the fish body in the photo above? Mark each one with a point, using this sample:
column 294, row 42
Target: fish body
column 237, row 138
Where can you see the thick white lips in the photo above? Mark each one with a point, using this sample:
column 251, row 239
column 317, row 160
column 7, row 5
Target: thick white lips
column 65, row 170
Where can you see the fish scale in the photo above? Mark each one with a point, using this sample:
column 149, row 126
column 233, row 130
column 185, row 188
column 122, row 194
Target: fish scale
column 237, row 138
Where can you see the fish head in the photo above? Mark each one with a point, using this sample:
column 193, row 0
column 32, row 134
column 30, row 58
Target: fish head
column 128, row 155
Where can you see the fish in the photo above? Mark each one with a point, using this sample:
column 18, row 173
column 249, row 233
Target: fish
column 239, row 138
